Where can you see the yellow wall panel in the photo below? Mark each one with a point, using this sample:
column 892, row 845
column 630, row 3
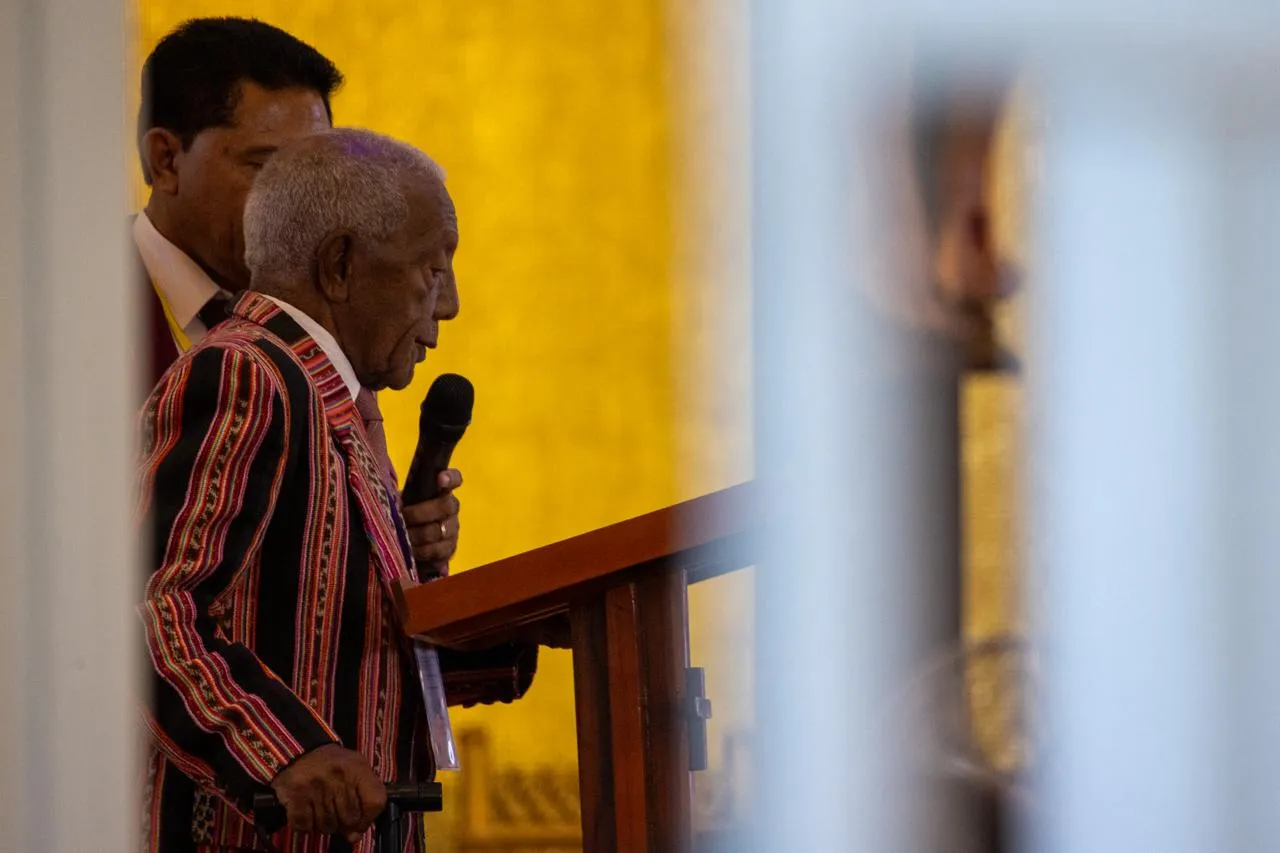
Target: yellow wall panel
column 551, row 121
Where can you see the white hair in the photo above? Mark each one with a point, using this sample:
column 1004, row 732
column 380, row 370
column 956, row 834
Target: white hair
column 341, row 179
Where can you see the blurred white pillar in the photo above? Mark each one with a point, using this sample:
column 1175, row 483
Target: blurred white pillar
column 1248, row 404
column 68, row 385
column 1125, row 341
column 828, row 455
column 1155, row 340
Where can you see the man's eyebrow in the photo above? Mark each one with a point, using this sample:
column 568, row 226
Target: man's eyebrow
column 260, row 151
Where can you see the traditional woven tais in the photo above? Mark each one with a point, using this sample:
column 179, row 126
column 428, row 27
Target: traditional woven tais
column 268, row 616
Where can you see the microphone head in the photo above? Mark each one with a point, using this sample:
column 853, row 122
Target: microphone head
column 446, row 410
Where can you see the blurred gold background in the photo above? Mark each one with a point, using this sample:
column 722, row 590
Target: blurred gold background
column 554, row 122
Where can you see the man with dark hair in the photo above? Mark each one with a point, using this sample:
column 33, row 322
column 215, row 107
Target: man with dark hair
column 219, row 97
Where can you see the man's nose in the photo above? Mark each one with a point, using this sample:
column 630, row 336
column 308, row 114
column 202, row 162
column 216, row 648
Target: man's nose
column 447, row 306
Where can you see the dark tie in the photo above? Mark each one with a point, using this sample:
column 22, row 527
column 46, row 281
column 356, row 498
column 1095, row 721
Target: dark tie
column 215, row 311
column 371, row 415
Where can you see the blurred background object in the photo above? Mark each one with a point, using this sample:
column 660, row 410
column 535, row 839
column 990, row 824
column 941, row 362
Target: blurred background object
column 600, row 162
column 68, row 636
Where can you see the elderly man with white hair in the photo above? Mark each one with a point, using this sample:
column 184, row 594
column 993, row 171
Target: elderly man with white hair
column 277, row 659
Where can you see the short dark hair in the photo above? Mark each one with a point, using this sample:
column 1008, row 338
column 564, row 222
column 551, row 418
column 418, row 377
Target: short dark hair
column 191, row 81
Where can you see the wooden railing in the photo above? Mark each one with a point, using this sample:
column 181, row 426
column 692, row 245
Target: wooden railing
column 640, row 712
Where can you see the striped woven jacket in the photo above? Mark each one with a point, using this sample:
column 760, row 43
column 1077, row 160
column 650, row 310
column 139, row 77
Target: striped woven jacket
column 268, row 616
column 477, row 677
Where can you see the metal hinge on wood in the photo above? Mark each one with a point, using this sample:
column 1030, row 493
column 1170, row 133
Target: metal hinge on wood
column 699, row 711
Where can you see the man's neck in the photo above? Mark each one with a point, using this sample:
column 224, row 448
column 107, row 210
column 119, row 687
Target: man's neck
column 305, row 302
column 164, row 222
column 308, row 303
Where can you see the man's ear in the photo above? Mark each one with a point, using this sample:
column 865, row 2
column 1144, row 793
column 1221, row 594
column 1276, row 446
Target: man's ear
column 161, row 149
column 335, row 263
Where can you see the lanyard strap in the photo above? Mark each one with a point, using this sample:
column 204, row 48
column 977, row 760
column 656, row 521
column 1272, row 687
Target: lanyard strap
column 179, row 335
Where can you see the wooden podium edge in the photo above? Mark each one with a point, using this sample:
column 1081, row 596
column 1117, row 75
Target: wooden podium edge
column 705, row 536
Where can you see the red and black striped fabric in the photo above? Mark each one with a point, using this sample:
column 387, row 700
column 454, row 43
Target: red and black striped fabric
column 268, row 614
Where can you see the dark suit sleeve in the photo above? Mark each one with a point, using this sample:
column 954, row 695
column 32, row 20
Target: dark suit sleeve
column 499, row 674
column 215, row 445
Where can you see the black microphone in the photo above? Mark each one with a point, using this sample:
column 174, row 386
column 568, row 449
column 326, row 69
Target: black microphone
column 446, row 414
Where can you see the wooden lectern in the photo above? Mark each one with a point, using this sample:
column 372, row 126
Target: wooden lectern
column 640, row 708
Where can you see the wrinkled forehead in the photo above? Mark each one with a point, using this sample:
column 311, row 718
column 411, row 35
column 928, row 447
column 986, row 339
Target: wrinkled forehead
column 448, row 212
column 429, row 199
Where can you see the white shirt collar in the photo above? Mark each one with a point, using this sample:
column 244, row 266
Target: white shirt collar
column 183, row 284
column 328, row 343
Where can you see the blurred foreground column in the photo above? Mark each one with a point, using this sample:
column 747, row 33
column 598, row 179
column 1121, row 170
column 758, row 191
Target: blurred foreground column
column 833, row 448
column 67, row 381
column 1157, row 473
column 1249, row 401
column 1154, row 348
column 1126, row 339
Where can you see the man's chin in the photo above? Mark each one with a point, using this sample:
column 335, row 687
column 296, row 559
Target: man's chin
column 392, row 379
column 401, row 379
